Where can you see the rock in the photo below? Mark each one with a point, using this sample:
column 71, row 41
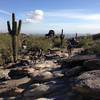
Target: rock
column 76, row 60
column 16, row 82
column 34, row 85
column 74, row 71
column 29, row 71
column 46, row 76
column 26, row 57
column 52, row 56
column 44, row 99
column 92, row 64
column 4, row 75
column 37, row 92
column 42, row 90
column 94, row 93
column 9, row 92
column 9, row 98
column 43, row 76
column 21, row 72
column 10, row 88
column 31, row 98
column 24, row 62
column 18, row 72
column 88, row 83
column 57, row 74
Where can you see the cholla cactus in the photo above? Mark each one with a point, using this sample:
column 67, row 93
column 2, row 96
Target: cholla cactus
column 62, row 37
column 14, row 32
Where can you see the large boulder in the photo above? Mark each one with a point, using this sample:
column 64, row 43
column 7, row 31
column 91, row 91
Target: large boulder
column 88, row 84
column 42, row 90
column 76, row 60
column 92, row 64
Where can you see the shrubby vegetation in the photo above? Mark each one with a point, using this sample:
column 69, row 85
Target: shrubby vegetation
column 32, row 42
column 57, row 43
column 91, row 43
column 5, row 49
column 39, row 42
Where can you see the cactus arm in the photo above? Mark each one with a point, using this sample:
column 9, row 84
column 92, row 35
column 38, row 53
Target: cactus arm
column 62, row 31
column 19, row 26
column 9, row 28
column 13, row 18
column 13, row 22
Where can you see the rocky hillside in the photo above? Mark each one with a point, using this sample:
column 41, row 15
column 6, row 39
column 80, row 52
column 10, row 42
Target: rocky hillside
column 57, row 77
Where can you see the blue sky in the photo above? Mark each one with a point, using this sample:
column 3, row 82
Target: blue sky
column 39, row 16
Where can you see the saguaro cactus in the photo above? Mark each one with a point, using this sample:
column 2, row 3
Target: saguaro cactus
column 76, row 36
column 62, row 37
column 14, row 32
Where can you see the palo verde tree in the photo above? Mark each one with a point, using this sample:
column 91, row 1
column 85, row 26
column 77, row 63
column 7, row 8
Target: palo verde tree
column 14, row 32
column 62, row 37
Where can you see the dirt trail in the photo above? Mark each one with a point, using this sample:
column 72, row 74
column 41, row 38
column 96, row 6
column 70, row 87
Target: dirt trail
column 46, row 82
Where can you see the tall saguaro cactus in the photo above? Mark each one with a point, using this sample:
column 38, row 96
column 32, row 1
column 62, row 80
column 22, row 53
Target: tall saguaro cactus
column 62, row 37
column 14, row 32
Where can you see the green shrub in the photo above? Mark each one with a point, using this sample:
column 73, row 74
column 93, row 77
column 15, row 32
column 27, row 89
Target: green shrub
column 57, row 42
column 90, row 45
column 5, row 49
column 34, row 42
column 84, row 41
column 94, row 49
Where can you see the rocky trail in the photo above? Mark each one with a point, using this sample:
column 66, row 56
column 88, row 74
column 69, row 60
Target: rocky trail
column 48, row 80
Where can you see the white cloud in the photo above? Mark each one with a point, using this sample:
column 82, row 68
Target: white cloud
column 4, row 12
column 74, row 14
column 35, row 16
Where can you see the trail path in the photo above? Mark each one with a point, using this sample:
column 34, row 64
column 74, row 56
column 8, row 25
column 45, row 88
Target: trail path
column 50, row 73
column 46, row 81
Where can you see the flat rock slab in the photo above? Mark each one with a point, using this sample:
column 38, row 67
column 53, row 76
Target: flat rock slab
column 42, row 90
column 76, row 60
column 90, row 79
column 10, row 87
column 46, row 76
